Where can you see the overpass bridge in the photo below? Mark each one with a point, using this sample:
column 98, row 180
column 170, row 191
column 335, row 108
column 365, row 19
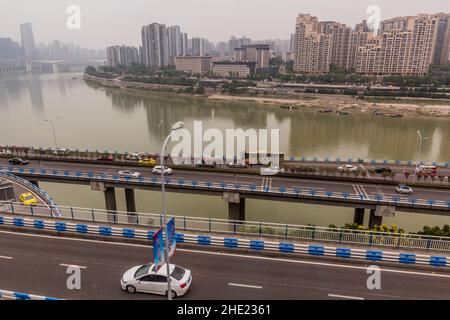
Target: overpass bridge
column 379, row 198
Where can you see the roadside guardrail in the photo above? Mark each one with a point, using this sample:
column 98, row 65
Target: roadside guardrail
column 229, row 242
column 233, row 228
column 11, row 295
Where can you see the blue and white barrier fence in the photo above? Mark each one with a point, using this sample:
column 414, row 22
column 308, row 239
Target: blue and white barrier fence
column 289, row 232
column 231, row 242
column 377, row 199
column 11, row 295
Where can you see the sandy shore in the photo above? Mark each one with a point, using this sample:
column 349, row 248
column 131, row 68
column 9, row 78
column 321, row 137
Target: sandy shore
column 405, row 107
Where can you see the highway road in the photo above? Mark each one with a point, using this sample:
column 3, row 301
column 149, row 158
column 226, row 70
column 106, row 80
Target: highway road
column 37, row 264
column 363, row 189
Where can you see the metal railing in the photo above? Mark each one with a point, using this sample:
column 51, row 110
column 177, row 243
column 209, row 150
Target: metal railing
column 250, row 228
column 48, row 152
column 377, row 199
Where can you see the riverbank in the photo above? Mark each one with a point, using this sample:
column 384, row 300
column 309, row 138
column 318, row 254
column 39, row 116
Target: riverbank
column 391, row 107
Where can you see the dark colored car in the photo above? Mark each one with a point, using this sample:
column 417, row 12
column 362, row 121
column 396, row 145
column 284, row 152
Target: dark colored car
column 106, row 158
column 383, row 169
column 18, row 161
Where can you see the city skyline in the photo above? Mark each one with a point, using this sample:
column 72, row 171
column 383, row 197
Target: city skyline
column 203, row 23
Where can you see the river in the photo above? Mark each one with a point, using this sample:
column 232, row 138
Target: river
column 91, row 117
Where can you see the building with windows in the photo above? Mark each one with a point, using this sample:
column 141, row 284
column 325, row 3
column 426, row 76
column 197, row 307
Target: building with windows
column 122, row 55
column 193, row 64
column 258, row 53
column 228, row 69
column 155, row 46
column 27, row 39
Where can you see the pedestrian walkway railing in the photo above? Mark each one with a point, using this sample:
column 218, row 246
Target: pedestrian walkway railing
column 48, row 152
column 377, row 199
column 11, row 295
column 247, row 228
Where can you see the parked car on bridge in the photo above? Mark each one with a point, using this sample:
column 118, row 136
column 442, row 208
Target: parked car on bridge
column 134, row 156
column 431, row 170
column 347, row 168
column 28, row 199
column 129, row 173
column 146, row 278
column 237, row 165
column 271, row 171
column 403, row 189
column 382, row 169
column 18, row 161
column 61, row 152
column 106, row 158
column 158, row 169
column 150, row 162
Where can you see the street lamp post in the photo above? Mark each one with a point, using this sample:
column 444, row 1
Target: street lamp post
column 174, row 128
column 52, row 122
column 418, row 151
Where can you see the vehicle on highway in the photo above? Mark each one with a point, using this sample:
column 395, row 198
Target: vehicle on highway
column 158, row 169
column 146, row 279
column 61, row 152
column 129, row 173
column 347, row 168
column 134, row 156
column 106, row 158
column 147, row 162
column 6, row 152
column 403, row 189
column 237, row 165
column 18, row 161
column 382, row 169
column 28, row 199
column 432, row 170
column 271, row 171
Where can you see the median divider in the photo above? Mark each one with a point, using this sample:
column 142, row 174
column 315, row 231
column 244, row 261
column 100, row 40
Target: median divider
column 11, row 295
column 255, row 245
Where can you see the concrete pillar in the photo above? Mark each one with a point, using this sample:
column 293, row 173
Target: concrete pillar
column 358, row 217
column 129, row 199
column 236, row 211
column 374, row 220
column 111, row 206
column 35, row 182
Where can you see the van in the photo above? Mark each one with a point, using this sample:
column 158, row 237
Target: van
column 426, row 169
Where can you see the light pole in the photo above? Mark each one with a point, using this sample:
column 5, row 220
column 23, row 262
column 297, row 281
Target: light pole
column 175, row 127
column 418, row 151
column 52, row 122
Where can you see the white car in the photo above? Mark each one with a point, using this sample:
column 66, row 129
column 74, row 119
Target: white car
column 128, row 173
column 157, row 170
column 145, row 279
column 271, row 171
column 404, row 189
column 134, row 156
column 347, row 167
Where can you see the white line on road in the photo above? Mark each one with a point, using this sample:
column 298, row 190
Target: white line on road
column 5, row 257
column 72, row 265
column 244, row 285
column 345, row 297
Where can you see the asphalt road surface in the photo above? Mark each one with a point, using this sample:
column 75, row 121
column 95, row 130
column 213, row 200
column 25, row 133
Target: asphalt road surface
column 37, row 264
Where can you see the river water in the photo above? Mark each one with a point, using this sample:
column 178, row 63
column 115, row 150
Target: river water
column 95, row 118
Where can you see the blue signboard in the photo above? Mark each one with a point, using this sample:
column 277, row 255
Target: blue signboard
column 158, row 249
column 172, row 238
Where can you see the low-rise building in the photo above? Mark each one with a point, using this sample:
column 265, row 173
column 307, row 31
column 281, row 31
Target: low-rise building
column 193, row 64
column 228, row 69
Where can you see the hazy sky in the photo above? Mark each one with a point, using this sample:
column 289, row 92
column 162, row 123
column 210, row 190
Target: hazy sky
column 107, row 22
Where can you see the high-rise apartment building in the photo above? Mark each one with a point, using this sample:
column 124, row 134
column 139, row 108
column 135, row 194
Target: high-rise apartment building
column 442, row 48
column 174, row 41
column 258, row 53
column 312, row 48
column 27, row 39
column 184, row 44
column 122, row 55
column 406, row 46
column 200, row 47
column 155, row 46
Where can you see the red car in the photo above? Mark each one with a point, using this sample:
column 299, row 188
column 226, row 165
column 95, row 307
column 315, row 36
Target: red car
column 106, row 158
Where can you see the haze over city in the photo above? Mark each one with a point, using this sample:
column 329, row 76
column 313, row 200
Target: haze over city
column 114, row 22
